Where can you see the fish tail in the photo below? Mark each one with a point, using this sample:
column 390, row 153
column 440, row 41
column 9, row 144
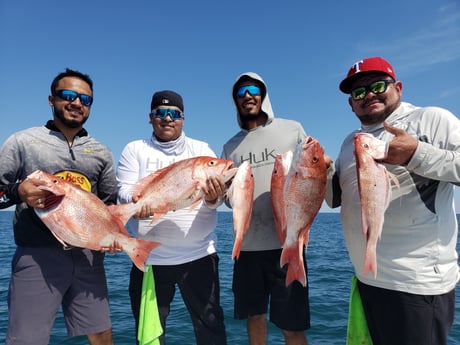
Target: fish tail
column 291, row 255
column 123, row 211
column 141, row 251
column 370, row 261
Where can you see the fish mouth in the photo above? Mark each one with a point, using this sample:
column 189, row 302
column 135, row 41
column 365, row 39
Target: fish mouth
column 52, row 201
column 229, row 175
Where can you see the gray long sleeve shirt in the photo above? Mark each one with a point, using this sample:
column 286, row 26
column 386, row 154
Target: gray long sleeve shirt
column 87, row 162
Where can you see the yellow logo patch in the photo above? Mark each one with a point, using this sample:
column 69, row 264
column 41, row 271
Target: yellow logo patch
column 77, row 179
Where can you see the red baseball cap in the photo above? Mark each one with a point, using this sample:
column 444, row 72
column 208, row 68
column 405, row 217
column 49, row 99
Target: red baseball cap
column 367, row 65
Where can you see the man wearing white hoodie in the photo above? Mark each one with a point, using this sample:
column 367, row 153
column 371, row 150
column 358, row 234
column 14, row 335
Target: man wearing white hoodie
column 258, row 279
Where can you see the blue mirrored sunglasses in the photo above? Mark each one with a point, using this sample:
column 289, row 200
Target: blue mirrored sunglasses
column 161, row 113
column 252, row 89
column 70, row 96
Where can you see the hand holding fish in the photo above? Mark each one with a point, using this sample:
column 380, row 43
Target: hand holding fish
column 115, row 247
column 78, row 218
column 145, row 211
column 328, row 160
column 401, row 148
column 30, row 192
column 215, row 187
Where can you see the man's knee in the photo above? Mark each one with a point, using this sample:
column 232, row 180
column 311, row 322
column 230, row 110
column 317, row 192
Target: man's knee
column 101, row 338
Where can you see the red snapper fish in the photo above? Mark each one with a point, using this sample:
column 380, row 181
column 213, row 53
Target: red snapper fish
column 304, row 192
column 79, row 218
column 241, row 195
column 177, row 186
column 374, row 191
column 280, row 170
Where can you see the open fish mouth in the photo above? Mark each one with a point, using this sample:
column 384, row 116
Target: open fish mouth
column 229, row 175
column 53, row 200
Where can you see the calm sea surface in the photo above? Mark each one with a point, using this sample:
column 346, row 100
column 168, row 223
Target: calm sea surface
column 329, row 277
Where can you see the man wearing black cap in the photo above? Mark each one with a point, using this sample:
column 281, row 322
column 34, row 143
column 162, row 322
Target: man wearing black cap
column 411, row 298
column 187, row 255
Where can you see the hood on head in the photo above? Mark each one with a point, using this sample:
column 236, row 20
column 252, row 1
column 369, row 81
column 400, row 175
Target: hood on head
column 266, row 105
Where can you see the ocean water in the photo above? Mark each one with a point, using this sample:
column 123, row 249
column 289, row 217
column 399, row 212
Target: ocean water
column 329, row 277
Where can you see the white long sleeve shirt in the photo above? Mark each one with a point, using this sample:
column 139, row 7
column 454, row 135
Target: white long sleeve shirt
column 416, row 252
column 185, row 235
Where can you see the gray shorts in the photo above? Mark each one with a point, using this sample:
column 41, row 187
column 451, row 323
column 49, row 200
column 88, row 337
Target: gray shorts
column 44, row 279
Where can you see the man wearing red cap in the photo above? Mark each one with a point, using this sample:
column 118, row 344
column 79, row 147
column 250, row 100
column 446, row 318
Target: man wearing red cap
column 411, row 299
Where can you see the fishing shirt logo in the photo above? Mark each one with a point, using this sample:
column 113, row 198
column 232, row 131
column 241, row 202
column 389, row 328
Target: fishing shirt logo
column 75, row 178
column 264, row 157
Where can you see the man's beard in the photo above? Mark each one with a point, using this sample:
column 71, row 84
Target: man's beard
column 251, row 117
column 67, row 122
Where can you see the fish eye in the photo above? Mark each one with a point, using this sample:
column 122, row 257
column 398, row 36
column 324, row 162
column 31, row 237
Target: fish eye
column 55, row 181
column 366, row 146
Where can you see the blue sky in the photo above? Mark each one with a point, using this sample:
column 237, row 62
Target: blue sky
column 197, row 48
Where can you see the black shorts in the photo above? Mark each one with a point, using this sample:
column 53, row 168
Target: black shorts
column 401, row 318
column 198, row 282
column 259, row 281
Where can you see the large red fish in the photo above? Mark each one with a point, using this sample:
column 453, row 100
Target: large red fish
column 79, row 218
column 241, row 195
column 374, row 192
column 280, row 170
column 177, row 186
column 304, row 192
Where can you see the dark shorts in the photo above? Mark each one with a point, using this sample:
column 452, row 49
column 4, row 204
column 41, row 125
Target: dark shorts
column 198, row 282
column 400, row 318
column 42, row 280
column 258, row 280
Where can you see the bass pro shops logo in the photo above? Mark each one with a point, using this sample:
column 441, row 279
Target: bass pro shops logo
column 75, row 178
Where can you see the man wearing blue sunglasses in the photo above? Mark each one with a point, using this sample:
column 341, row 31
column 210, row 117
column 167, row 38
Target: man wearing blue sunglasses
column 45, row 276
column 258, row 279
column 187, row 255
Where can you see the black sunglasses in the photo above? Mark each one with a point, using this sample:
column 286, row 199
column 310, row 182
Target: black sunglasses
column 70, row 96
column 377, row 87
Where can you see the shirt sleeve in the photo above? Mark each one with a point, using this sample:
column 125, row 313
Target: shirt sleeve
column 437, row 156
column 127, row 173
column 9, row 195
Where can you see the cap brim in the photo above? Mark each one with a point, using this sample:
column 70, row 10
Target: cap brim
column 346, row 84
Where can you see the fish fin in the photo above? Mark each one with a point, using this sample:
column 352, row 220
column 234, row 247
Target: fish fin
column 370, row 261
column 156, row 216
column 65, row 245
column 195, row 204
column 237, row 247
column 280, row 223
column 306, row 238
column 392, row 177
column 141, row 251
column 281, row 232
column 364, row 224
column 291, row 255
